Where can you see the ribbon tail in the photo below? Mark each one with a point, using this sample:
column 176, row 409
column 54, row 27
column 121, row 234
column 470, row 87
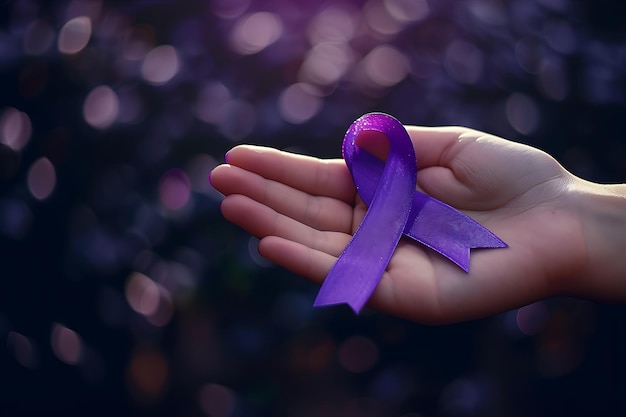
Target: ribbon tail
column 447, row 230
column 356, row 273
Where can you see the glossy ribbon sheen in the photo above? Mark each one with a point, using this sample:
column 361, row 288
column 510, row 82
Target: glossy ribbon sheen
column 395, row 207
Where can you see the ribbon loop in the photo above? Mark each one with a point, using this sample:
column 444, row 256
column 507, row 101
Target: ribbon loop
column 395, row 207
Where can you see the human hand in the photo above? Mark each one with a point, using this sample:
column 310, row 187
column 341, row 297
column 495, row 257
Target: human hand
column 305, row 210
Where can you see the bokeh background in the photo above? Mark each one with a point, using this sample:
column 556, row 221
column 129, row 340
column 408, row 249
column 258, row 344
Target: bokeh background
column 124, row 292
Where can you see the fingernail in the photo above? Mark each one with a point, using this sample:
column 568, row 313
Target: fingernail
column 226, row 156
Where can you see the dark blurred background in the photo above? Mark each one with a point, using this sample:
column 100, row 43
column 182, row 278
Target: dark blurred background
column 124, row 292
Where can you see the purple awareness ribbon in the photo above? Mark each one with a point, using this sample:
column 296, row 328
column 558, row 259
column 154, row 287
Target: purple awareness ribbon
column 395, row 207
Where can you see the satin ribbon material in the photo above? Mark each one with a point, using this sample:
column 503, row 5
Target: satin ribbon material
column 395, row 208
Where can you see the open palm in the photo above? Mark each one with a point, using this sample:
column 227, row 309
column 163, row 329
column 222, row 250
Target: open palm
column 305, row 211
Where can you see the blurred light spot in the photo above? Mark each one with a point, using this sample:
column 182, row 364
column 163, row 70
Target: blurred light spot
column 332, row 25
column 149, row 299
column 101, row 107
column 553, row 79
column 464, row 62
column 386, row 66
column 299, row 102
column 160, row 65
column 23, row 349
column 66, row 344
column 176, row 278
column 15, row 128
column 148, row 373
column 174, row 189
column 16, row 218
column 358, row 354
column 238, row 119
column 522, row 113
column 142, row 294
column 326, row 63
column 216, row 400
column 74, row 35
column 379, row 19
column 407, row 11
column 491, row 12
column 229, row 9
column 38, row 38
column 211, row 101
column 531, row 318
column 560, row 36
column 255, row 32
column 41, row 178
column 164, row 311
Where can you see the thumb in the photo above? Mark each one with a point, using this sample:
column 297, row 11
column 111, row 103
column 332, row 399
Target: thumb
column 430, row 144
column 441, row 183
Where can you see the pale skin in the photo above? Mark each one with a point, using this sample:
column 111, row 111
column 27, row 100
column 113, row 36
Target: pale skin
column 566, row 236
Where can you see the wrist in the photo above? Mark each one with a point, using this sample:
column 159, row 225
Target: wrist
column 602, row 212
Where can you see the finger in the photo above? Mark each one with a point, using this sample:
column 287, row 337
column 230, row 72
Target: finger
column 321, row 177
column 437, row 146
column 456, row 166
column 322, row 213
column 442, row 184
column 261, row 221
column 296, row 257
